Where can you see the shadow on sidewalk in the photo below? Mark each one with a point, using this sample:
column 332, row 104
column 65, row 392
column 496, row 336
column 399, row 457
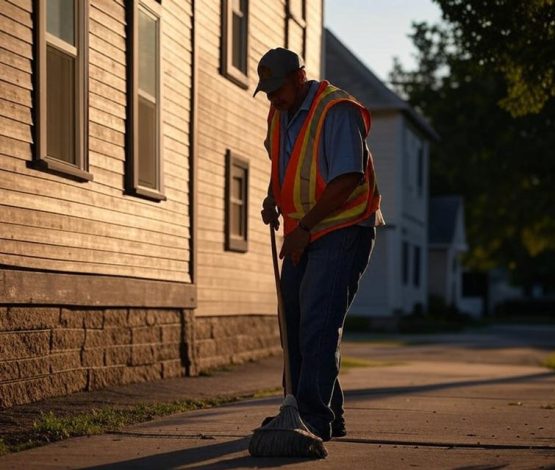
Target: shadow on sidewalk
column 203, row 457
column 197, row 455
column 440, row 386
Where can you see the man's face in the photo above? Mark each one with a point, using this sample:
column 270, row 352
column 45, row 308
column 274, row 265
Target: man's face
column 285, row 97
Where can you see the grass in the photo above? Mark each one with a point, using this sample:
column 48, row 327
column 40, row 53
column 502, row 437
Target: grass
column 549, row 361
column 269, row 392
column 348, row 362
column 51, row 427
column 4, row 449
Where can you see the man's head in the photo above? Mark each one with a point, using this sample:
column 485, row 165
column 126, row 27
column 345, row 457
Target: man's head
column 282, row 77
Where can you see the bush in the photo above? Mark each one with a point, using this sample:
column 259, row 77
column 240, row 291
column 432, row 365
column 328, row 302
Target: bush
column 439, row 317
column 527, row 309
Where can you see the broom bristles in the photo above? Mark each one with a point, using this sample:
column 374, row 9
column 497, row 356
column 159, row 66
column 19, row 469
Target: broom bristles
column 286, row 436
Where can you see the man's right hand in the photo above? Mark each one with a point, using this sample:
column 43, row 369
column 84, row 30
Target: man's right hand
column 270, row 214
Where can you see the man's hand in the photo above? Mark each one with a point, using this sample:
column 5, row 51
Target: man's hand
column 270, row 213
column 294, row 245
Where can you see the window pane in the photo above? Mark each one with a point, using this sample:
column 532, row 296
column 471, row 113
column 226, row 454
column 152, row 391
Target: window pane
column 405, row 262
column 60, row 105
column 147, row 54
column 237, row 225
column 60, row 19
column 296, row 8
column 147, row 144
column 239, row 52
column 420, row 174
column 237, row 188
column 295, row 37
column 416, row 273
column 237, row 5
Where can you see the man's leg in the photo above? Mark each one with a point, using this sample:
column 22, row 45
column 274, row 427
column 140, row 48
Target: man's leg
column 324, row 299
column 361, row 263
column 291, row 278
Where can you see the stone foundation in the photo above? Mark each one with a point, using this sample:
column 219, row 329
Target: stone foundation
column 51, row 351
column 230, row 339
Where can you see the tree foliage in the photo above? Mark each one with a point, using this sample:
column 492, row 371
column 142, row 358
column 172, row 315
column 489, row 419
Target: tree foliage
column 503, row 166
column 517, row 38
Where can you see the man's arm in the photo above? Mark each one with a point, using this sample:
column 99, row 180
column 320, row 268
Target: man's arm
column 334, row 196
column 344, row 158
column 270, row 213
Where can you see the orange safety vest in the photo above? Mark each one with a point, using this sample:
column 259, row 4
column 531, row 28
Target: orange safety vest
column 303, row 184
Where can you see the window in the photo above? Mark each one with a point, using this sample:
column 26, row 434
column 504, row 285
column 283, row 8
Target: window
column 420, row 171
column 237, row 203
column 235, row 41
column 61, row 88
column 296, row 26
column 144, row 149
column 405, row 262
column 416, row 267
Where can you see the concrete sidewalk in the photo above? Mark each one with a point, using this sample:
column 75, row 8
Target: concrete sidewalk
column 419, row 414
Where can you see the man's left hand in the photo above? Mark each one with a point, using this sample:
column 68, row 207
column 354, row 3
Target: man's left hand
column 294, row 245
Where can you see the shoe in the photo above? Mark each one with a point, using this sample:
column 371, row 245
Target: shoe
column 266, row 420
column 337, row 426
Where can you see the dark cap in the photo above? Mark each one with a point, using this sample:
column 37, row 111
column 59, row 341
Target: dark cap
column 274, row 66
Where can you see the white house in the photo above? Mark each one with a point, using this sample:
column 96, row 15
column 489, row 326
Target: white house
column 396, row 280
column 447, row 242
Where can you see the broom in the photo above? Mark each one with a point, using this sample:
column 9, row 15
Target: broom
column 286, row 435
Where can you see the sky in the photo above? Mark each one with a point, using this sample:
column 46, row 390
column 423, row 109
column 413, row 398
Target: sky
column 376, row 30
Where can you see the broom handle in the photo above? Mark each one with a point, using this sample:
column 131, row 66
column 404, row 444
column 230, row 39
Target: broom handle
column 281, row 316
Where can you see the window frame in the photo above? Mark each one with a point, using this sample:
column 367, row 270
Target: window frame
column 234, row 243
column 300, row 21
column 420, row 170
column 78, row 171
column 405, row 262
column 228, row 70
column 132, row 185
column 416, row 273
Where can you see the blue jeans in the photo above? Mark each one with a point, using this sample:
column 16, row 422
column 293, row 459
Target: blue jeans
column 316, row 296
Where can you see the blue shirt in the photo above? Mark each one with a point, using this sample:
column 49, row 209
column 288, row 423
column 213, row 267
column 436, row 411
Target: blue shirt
column 341, row 147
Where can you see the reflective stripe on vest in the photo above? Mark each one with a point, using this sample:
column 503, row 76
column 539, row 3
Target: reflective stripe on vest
column 303, row 183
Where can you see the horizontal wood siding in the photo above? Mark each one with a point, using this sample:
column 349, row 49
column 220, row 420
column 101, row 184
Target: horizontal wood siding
column 415, row 202
column 372, row 297
column 230, row 118
column 386, row 146
column 54, row 223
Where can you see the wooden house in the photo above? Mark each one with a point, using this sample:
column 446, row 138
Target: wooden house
column 131, row 175
column 396, row 280
column 447, row 243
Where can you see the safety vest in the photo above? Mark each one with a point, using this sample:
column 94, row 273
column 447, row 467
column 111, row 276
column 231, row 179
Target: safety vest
column 303, row 183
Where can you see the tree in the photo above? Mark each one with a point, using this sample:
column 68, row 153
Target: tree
column 517, row 38
column 502, row 165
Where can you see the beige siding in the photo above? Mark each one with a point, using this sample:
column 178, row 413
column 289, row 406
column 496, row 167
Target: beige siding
column 385, row 144
column 52, row 222
column 414, row 202
column 229, row 118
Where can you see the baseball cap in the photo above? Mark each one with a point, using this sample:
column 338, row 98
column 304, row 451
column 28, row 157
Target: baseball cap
column 274, row 66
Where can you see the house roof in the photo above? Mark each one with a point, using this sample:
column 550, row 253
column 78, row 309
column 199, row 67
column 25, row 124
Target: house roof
column 344, row 69
column 442, row 219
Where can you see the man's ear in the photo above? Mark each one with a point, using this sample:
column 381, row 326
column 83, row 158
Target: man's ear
column 301, row 76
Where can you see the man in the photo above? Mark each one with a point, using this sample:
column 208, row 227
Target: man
column 323, row 185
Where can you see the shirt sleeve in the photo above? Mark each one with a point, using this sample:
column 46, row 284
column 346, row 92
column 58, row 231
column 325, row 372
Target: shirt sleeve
column 343, row 141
